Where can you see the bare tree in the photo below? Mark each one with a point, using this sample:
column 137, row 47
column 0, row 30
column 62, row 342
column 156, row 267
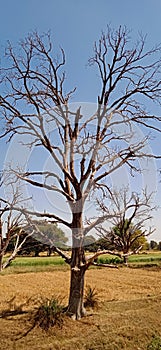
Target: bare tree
column 14, row 223
column 84, row 149
column 131, row 216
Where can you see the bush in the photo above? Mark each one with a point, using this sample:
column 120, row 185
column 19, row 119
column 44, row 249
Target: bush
column 91, row 297
column 155, row 344
column 48, row 314
column 109, row 260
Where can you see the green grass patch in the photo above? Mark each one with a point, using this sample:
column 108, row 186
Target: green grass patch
column 35, row 264
column 145, row 257
column 109, row 260
column 133, row 259
column 42, row 264
column 38, row 261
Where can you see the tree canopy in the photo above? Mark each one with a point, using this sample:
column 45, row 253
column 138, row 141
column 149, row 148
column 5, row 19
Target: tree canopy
column 49, row 235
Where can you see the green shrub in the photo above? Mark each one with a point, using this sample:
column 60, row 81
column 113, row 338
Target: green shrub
column 109, row 260
column 91, row 297
column 49, row 313
column 155, row 344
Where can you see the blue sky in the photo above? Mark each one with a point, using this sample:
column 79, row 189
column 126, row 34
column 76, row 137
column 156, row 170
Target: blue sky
column 75, row 25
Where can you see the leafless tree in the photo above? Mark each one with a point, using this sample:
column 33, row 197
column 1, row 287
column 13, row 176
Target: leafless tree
column 131, row 215
column 13, row 223
column 84, row 149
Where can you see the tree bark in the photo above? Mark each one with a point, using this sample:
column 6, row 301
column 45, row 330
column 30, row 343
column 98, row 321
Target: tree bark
column 78, row 267
column 125, row 260
column 1, row 265
column 76, row 308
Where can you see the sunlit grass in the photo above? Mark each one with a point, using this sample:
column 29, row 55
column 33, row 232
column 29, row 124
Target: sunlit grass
column 35, row 264
column 43, row 263
column 144, row 258
column 38, row 261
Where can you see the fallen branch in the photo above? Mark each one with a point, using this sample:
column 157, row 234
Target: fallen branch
column 105, row 265
column 91, row 259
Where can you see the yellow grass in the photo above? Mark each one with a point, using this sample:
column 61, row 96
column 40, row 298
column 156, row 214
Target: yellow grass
column 129, row 310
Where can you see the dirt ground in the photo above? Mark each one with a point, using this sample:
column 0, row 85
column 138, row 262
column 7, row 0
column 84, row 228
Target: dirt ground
column 129, row 310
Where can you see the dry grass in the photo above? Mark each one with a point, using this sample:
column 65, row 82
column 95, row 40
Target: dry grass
column 129, row 310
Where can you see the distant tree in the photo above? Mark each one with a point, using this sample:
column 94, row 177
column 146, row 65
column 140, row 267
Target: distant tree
column 141, row 241
column 90, row 243
column 102, row 244
column 13, row 234
column 30, row 246
column 159, row 245
column 130, row 214
column 153, row 244
column 53, row 235
column 50, row 235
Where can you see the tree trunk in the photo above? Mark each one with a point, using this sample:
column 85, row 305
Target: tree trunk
column 78, row 267
column 1, row 258
column 125, row 259
column 75, row 307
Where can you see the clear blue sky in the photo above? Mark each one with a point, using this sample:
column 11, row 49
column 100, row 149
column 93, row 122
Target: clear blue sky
column 75, row 26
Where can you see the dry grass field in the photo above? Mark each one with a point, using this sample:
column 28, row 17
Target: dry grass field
column 127, row 316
